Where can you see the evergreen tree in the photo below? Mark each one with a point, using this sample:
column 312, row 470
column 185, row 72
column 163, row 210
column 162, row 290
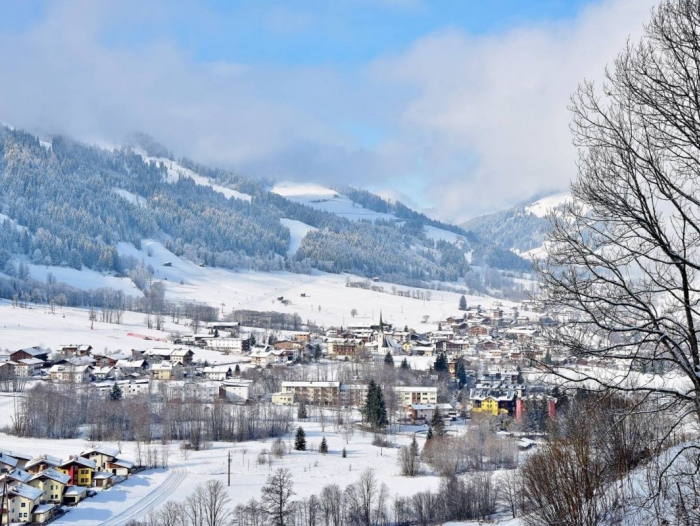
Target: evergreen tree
column 301, row 410
column 374, row 410
column 437, row 424
column 237, row 370
column 344, row 454
column 323, row 448
column 461, row 372
column 116, row 393
column 388, row 359
column 404, row 364
column 462, row 303
column 440, row 363
column 300, row 440
column 429, row 434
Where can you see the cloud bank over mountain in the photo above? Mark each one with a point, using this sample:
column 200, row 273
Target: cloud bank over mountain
column 462, row 122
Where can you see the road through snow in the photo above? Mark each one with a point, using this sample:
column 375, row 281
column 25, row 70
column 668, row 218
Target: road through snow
column 151, row 501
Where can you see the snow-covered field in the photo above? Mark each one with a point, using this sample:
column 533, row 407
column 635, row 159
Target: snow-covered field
column 153, row 488
column 326, row 299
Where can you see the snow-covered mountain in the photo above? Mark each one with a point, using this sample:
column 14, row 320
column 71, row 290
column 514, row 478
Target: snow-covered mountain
column 521, row 228
column 70, row 206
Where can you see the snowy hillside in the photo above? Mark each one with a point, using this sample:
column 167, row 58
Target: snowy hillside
column 521, row 228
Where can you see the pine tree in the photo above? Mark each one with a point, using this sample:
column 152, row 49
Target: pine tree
column 437, row 424
column 116, row 393
column 300, row 440
column 429, row 435
column 404, row 364
column 323, row 448
column 388, row 359
column 374, row 410
column 301, row 410
column 344, row 454
column 237, row 371
column 461, row 372
column 462, row 303
column 440, row 363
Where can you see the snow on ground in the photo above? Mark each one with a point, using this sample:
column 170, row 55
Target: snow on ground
column 438, row 234
column 326, row 300
column 176, row 170
column 543, row 206
column 311, row 471
column 130, row 197
column 36, row 325
column 85, row 279
column 322, row 198
column 297, row 230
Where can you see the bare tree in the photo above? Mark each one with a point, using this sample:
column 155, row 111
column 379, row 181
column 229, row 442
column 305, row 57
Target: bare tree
column 623, row 262
column 276, row 494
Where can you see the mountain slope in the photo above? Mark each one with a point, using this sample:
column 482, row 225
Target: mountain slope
column 522, row 228
column 71, row 205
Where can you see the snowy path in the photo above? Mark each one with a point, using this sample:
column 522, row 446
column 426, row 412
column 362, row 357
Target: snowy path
column 150, row 501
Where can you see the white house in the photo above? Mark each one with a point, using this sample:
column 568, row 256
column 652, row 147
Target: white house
column 235, row 390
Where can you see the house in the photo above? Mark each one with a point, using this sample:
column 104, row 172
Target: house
column 44, row 513
column 229, row 345
column 20, row 500
column 79, row 469
column 120, row 467
column 263, row 358
column 22, row 458
column 74, row 494
column 217, row 372
column 70, row 373
column 283, row 398
column 104, row 479
column 235, row 390
column 493, row 401
column 409, row 395
column 100, row 455
column 42, row 462
column 424, row 412
column 7, row 462
column 164, row 371
column 103, row 373
column 131, row 366
column 28, row 367
column 314, row 393
column 74, row 350
column 30, row 352
column 8, row 370
column 52, row 483
column 182, row 356
column 348, row 347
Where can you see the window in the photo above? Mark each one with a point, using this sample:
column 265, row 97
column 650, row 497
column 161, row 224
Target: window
column 23, row 505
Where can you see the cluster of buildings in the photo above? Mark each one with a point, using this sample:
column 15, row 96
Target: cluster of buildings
column 33, row 489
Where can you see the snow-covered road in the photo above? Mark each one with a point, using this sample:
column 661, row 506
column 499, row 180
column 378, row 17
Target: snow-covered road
column 151, row 501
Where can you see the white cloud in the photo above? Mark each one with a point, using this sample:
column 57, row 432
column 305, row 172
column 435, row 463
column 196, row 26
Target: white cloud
column 481, row 121
column 499, row 104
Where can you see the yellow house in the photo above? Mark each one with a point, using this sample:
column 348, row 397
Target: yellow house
column 489, row 405
column 22, row 499
column 52, row 483
column 80, row 470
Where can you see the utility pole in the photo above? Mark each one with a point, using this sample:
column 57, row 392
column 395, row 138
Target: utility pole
column 229, row 467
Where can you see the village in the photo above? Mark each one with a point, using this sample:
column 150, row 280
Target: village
column 477, row 366
column 485, row 351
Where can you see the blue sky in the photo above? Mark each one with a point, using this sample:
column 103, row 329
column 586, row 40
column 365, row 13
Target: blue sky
column 459, row 105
